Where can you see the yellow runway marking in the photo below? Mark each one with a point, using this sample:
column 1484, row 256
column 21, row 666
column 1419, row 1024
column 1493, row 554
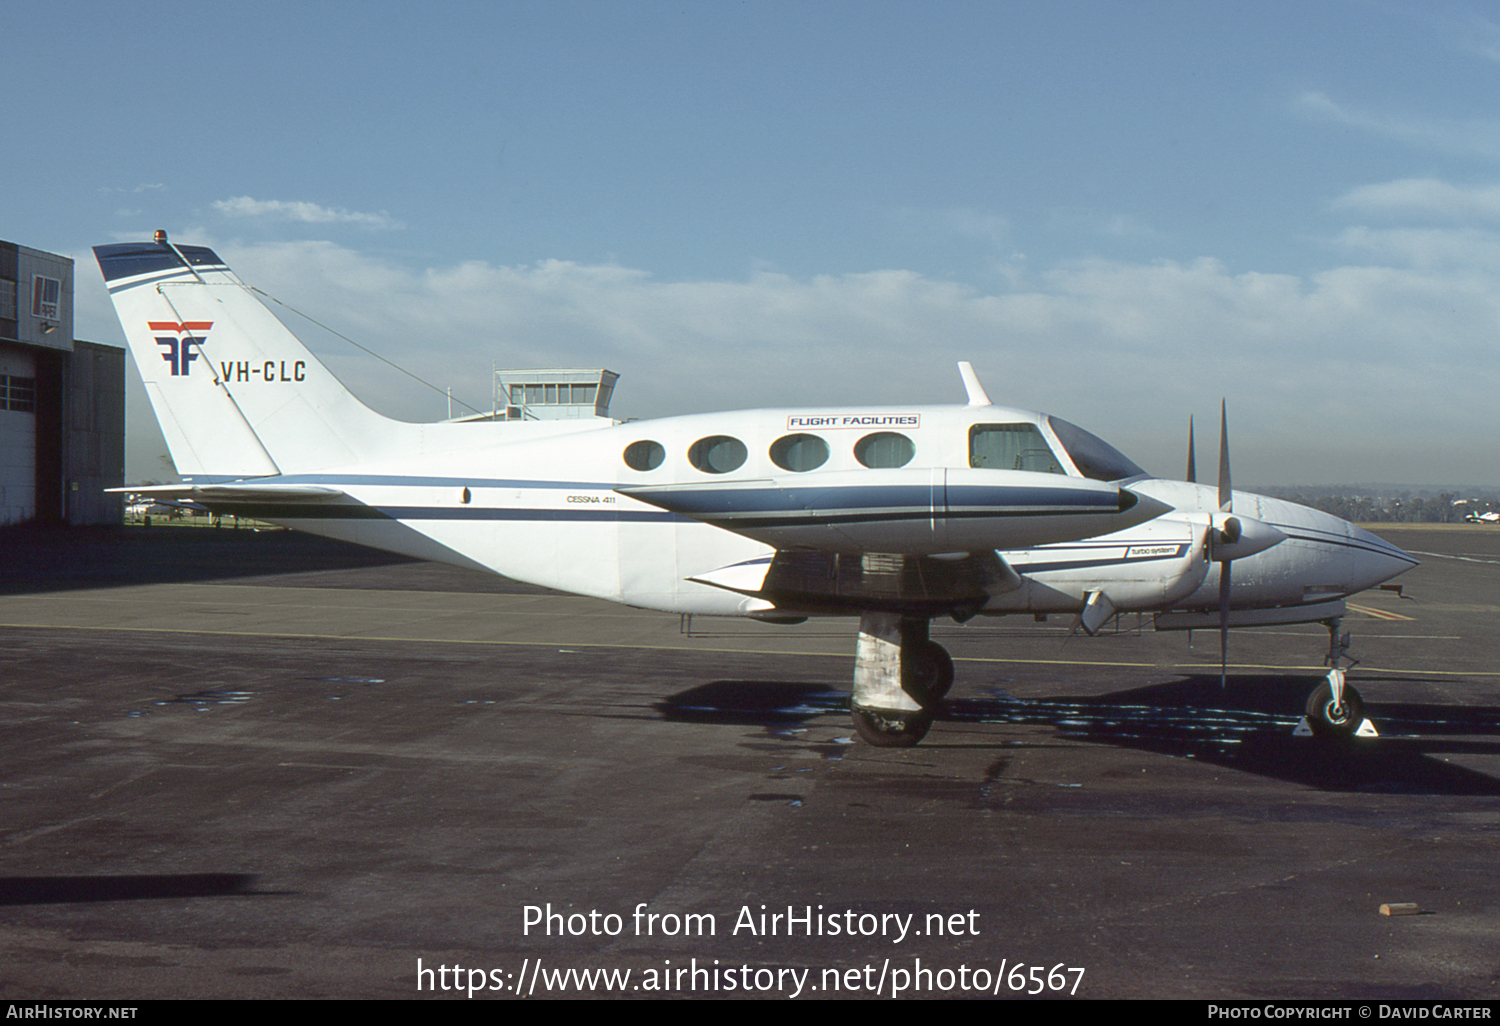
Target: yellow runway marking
column 1379, row 614
column 747, row 650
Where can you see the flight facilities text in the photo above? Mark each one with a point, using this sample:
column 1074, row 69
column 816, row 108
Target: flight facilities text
column 803, row 421
column 749, row 921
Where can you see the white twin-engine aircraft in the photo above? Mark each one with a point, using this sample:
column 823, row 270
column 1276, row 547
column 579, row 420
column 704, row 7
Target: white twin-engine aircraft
column 896, row 515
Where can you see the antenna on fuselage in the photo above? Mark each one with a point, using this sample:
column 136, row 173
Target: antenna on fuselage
column 977, row 394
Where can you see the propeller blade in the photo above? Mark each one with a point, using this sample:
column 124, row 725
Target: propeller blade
column 1226, row 505
column 1192, row 470
column 1223, row 624
column 1226, row 490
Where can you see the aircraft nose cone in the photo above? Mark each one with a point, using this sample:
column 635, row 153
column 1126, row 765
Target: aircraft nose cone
column 1375, row 559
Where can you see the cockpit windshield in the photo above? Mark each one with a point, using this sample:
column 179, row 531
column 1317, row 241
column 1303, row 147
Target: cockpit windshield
column 1094, row 457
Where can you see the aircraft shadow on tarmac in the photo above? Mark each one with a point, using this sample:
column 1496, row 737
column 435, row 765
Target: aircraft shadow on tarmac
column 1245, row 726
column 50, row 560
column 70, row 890
column 43, row 559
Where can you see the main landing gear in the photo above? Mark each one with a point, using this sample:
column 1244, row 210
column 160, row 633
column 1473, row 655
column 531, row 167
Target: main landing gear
column 1335, row 708
column 900, row 675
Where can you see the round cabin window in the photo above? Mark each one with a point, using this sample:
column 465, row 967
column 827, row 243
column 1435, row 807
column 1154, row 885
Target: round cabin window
column 644, row 455
column 884, row 449
column 717, row 454
column 799, row 453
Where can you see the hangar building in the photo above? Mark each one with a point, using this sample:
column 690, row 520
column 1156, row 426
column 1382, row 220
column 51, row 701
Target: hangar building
column 62, row 401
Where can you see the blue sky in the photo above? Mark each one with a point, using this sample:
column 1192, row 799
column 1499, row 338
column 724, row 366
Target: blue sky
column 1119, row 211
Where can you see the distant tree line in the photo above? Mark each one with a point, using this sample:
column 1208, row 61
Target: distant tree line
column 1404, row 508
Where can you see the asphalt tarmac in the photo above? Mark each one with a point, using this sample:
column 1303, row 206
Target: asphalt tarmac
column 258, row 765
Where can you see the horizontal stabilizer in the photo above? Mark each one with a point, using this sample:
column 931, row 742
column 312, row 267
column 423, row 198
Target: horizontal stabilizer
column 238, row 491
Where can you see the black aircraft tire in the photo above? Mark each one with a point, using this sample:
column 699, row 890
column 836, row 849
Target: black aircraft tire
column 885, row 729
column 1327, row 720
column 926, row 673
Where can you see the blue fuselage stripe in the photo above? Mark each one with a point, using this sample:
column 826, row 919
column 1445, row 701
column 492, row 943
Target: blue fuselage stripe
column 350, row 511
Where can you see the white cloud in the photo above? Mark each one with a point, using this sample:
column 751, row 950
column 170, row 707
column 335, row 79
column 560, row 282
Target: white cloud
column 1358, row 373
column 964, row 222
column 1107, row 225
column 1478, row 35
column 977, row 224
column 308, row 213
column 1427, row 196
column 1470, row 137
column 1460, row 249
column 1313, row 367
column 149, row 187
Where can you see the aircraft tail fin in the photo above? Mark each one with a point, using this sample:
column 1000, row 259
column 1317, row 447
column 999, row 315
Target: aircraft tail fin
column 236, row 393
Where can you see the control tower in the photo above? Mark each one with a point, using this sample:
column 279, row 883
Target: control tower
column 553, row 394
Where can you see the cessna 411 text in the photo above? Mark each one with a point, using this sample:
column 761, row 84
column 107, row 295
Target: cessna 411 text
column 896, row 515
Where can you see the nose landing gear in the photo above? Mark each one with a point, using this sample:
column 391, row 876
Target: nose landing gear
column 1335, row 708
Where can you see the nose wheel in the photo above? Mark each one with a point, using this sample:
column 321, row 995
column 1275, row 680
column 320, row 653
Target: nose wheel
column 1335, row 710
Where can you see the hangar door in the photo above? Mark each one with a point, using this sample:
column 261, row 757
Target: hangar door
column 17, row 437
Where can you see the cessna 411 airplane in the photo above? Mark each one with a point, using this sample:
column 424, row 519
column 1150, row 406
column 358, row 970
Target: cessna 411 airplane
column 893, row 514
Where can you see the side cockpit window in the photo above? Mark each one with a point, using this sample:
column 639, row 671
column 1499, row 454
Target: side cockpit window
column 1012, row 447
column 1093, row 456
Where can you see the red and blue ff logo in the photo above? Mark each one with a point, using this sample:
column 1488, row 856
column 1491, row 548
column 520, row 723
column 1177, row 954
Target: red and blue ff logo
column 182, row 347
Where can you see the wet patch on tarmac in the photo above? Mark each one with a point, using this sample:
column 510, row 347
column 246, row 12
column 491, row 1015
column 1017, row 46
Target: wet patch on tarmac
column 1233, row 728
column 1243, row 727
column 771, row 704
column 201, row 700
